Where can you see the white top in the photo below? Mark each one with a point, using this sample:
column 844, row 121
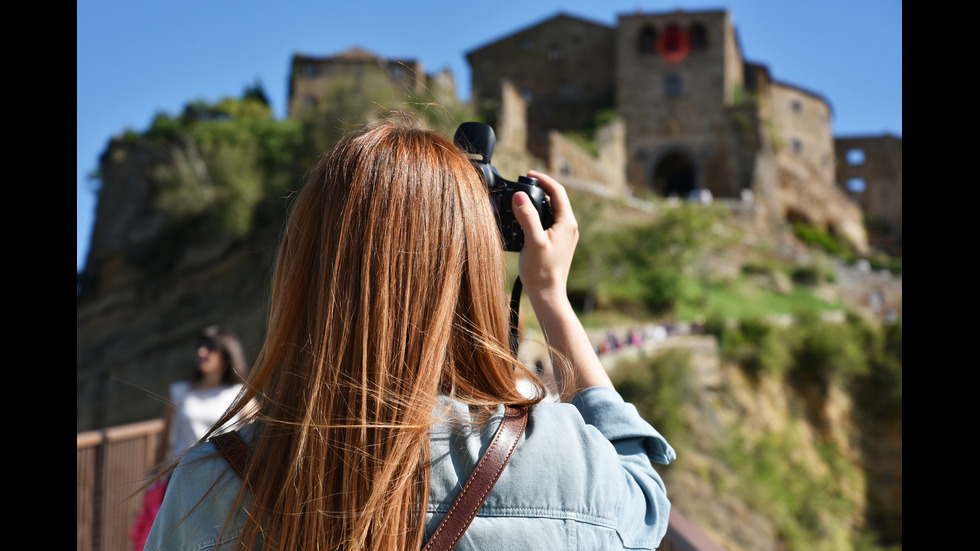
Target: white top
column 195, row 411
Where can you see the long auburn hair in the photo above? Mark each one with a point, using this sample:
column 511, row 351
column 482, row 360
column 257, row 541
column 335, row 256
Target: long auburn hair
column 388, row 291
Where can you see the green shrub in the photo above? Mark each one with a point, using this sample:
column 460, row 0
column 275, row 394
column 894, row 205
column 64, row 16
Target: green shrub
column 164, row 127
column 876, row 224
column 806, row 275
column 893, row 265
column 218, row 163
column 757, row 346
column 755, row 268
column 660, row 387
column 644, row 263
column 827, row 352
column 810, row 511
column 878, row 391
column 816, row 237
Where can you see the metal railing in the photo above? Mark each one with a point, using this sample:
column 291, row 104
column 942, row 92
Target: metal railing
column 112, row 464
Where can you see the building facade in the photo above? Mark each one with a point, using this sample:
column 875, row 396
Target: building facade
column 313, row 78
column 690, row 115
column 870, row 169
column 697, row 115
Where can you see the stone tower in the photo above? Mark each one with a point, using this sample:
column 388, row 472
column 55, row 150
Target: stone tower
column 677, row 76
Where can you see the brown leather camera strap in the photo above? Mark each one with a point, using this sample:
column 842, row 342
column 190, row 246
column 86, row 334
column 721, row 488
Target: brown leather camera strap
column 236, row 452
column 480, row 482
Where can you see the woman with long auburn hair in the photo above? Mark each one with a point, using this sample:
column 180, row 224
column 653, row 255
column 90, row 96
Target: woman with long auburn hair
column 386, row 369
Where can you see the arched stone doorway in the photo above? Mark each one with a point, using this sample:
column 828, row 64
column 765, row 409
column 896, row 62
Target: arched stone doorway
column 674, row 174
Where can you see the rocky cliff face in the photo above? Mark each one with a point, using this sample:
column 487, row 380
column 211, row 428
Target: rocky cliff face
column 137, row 318
column 748, row 439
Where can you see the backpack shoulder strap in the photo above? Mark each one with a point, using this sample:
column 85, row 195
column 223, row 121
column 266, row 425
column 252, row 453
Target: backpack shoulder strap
column 235, row 451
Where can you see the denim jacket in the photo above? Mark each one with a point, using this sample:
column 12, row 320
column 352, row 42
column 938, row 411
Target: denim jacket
column 580, row 478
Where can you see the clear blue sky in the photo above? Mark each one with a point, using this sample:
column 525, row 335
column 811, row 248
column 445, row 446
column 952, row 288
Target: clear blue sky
column 136, row 59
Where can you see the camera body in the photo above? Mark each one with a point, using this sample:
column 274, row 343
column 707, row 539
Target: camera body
column 478, row 140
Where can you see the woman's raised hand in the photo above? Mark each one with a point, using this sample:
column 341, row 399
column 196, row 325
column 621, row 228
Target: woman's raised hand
column 546, row 258
column 544, row 264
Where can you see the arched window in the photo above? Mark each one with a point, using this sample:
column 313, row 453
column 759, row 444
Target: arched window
column 648, row 40
column 674, row 44
column 856, row 185
column 699, row 37
column 855, row 156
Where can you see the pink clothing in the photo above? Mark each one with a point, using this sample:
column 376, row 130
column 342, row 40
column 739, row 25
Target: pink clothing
column 152, row 499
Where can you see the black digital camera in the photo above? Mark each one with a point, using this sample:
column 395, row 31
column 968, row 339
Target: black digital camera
column 478, row 139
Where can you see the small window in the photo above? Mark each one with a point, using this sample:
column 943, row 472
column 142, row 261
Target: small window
column 856, row 185
column 797, row 146
column 855, row 157
column 648, row 40
column 699, row 37
column 308, row 69
column 796, row 106
column 554, row 52
column 673, row 85
column 566, row 169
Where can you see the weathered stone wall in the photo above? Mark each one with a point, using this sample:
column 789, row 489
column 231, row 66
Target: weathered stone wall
column 799, row 132
column 803, row 122
column 562, row 67
column 611, row 166
column 311, row 77
column 511, row 128
column 877, row 160
column 876, row 294
column 676, row 108
column 567, row 159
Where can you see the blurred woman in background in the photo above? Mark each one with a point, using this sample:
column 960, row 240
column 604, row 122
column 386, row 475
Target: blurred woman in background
column 195, row 405
column 192, row 409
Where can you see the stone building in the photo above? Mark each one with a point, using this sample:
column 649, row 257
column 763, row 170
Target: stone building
column 697, row 116
column 870, row 169
column 562, row 69
column 312, row 77
column 673, row 108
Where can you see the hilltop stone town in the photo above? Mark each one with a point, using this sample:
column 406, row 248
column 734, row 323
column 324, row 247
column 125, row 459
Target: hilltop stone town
column 691, row 115
column 658, row 106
